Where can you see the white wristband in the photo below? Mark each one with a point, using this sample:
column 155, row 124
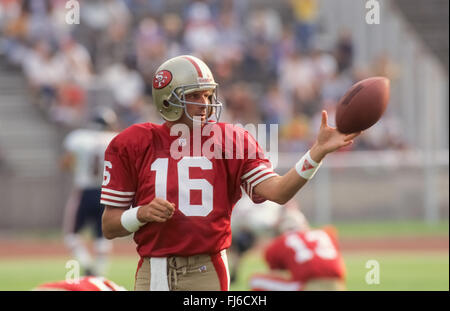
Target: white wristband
column 130, row 221
column 307, row 167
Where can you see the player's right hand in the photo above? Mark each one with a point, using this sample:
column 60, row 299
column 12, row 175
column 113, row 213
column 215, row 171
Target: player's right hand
column 158, row 210
column 329, row 140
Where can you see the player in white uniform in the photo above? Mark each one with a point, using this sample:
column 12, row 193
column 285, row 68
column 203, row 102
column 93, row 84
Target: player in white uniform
column 84, row 155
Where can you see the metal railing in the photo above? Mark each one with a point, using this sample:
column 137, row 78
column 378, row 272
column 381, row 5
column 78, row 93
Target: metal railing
column 382, row 185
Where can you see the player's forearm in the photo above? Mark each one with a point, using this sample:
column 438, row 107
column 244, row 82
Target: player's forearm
column 317, row 152
column 111, row 223
column 281, row 189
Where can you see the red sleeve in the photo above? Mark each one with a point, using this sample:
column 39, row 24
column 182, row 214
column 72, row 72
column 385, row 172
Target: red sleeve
column 272, row 255
column 256, row 167
column 333, row 234
column 120, row 176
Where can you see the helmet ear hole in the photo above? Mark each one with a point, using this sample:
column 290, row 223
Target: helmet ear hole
column 166, row 104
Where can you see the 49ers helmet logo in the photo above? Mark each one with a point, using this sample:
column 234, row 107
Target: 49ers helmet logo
column 162, row 79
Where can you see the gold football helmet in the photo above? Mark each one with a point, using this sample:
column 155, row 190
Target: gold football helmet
column 177, row 77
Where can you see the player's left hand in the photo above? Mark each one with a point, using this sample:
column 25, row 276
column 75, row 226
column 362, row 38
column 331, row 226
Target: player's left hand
column 329, row 140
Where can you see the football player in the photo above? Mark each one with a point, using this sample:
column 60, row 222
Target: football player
column 84, row 156
column 301, row 258
column 181, row 202
column 86, row 283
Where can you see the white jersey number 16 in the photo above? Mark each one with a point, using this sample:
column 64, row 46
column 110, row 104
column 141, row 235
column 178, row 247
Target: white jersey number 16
column 161, row 165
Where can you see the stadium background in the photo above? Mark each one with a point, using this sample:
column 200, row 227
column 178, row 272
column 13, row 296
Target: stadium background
column 276, row 62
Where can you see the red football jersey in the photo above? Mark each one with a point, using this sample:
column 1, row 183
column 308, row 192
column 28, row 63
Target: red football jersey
column 139, row 166
column 307, row 255
column 87, row 283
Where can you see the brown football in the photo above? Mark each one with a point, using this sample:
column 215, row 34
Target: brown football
column 363, row 105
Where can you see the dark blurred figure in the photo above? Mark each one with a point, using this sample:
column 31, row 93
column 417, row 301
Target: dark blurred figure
column 242, row 241
column 344, row 51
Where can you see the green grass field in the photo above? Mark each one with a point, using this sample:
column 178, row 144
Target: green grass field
column 392, row 228
column 399, row 270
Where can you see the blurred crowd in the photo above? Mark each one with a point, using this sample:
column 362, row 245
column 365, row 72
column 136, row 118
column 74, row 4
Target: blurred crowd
column 267, row 59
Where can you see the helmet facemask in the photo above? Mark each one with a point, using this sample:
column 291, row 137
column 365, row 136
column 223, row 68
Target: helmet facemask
column 213, row 109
